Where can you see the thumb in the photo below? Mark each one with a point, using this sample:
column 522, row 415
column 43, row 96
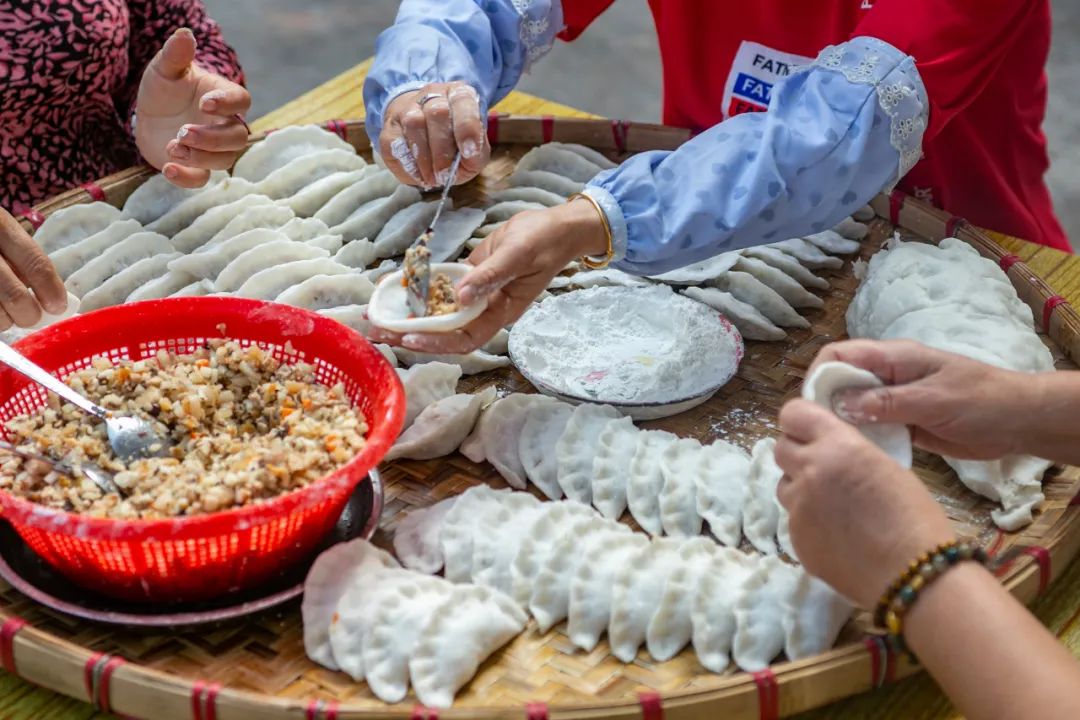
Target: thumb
column 175, row 56
column 900, row 404
column 492, row 274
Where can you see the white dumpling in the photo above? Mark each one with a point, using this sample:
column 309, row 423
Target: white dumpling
column 500, row 534
column 807, row 253
column 321, row 292
column 15, row 333
column 615, row 447
column 713, row 612
column 68, row 259
column 417, row 536
column 501, row 212
column 722, row 479
column 759, row 613
column 266, row 255
column 69, row 225
column 310, row 199
column 787, row 264
column 368, row 220
column 387, row 352
column 529, row 194
column 463, row 631
column 644, row 479
column 117, row 288
column 258, row 216
column 283, row 146
column 636, row 595
column 329, row 578
column 833, row 242
column 832, row 378
column 187, row 211
column 351, row 626
column 761, row 510
column 550, row 600
column 371, row 187
column 576, row 449
column 853, row 228
column 591, row 587
column 750, row 323
column 671, row 626
column 544, row 425
column 401, row 231
column 499, row 344
column 425, row 384
column 608, row 277
column 269, row 283
column 359, row 254
column 560, row 161
column 307, row 169
column 556, row 520
column 330, row 243
column 594, row 156
column 122, row 255
column 354, row 317
column 782, row 284
column 680, row 465
column 454, row 229
column 753, row 292
column 500, row 430
column 1015, row 481
column 441, row 427
column 701, row 272
column 482, row 232
column 305, row 229
column 546, row 181
column 395, row 631
column 197, row 288
column 157, row 196
column 814, row 614
column 459, row 528
column 211, row 222
column 471, row 363
column 783, row 533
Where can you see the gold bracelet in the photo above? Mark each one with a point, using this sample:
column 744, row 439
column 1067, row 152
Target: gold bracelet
column 586, row 260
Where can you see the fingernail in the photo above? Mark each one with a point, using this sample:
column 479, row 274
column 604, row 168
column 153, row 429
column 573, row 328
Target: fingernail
column 186, row 32
column 54, row 307
column 185, row 130
column 469, row 149
column 180, row 152
column 442, row 177
column 846, row 405
column 410, row 340
column 170, row 172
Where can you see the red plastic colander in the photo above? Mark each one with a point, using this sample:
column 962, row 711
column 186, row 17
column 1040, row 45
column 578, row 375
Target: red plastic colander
column 203, row 556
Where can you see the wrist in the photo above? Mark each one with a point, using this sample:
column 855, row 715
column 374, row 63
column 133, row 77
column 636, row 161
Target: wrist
column 584, row 230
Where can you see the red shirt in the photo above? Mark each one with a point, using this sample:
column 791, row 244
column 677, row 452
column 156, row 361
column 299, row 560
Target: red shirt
column 982, row 61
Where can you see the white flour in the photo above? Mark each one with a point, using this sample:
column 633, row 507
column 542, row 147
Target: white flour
column 625, row 345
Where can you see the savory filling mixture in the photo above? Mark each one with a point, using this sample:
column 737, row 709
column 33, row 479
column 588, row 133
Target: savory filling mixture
column 442, row 299
column 245, row 427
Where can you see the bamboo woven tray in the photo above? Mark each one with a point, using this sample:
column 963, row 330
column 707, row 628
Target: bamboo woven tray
column 256, row 668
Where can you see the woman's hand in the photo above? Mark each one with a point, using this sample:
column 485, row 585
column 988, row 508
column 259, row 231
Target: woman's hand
column 856, row 517
column 425, row 129
column 24, row 266
column 513, row 266
column 957, row 406
column 187, row 120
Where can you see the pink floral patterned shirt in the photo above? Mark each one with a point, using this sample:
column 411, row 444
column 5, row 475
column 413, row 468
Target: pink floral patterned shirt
column 69, row 75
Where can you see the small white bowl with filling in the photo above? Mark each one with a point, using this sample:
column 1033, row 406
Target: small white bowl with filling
column 389, row 305
column 646, row 351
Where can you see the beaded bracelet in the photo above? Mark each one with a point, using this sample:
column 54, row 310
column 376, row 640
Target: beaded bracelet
column 588, row 262
column 923, row 570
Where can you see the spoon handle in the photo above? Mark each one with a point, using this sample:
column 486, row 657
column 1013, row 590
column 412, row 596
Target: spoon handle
column 16, row 361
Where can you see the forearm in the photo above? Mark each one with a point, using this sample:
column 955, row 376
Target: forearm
column 1046, row 422
column 485, row 44
column 988, row 653
column 834, row 136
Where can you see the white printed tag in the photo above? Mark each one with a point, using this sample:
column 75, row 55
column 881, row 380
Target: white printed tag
column 754, row 73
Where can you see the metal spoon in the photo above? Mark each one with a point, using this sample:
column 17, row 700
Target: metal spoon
column 102, row 478
column 130, row 438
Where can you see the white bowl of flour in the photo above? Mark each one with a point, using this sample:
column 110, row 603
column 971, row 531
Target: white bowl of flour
column 645, row 350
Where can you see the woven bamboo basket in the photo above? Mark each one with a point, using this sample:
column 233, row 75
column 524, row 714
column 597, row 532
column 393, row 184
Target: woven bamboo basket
column 256, row 667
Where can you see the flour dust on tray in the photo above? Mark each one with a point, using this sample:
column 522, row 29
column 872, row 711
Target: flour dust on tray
column 626, row 346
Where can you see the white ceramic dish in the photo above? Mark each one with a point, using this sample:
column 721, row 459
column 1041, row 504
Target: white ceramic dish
column 670, row 331
column 389, row 308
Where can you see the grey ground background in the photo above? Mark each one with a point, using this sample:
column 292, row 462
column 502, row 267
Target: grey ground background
column 289, row 46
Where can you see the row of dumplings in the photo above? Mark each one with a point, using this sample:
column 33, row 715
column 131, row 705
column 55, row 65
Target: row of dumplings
column 563, row 561
column 592, row 455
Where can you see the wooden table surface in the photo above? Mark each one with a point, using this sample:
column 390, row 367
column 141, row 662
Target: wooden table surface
column 916, row 698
